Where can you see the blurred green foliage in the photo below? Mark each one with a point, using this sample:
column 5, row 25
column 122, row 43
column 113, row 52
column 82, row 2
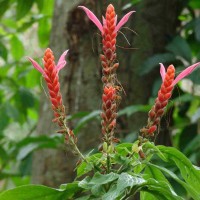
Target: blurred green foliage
column 19, row 88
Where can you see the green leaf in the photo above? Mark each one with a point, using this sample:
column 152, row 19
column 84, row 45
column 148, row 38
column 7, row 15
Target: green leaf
column 154, row 61
column 195, row 4
column 160, row 190
column 125, row 181
column 97, row 180
column 26, row 146
column 4, row 5
column 149, row 146
column 133, row 109
column 44, row 31
column 71, row 189
column 101, row 179
column 124, row 148
column 3, row 51
column 194, row 194
column 23, row 7
column 86, row 119
column 180, row 47
column 84, row 167
column 33, row 192
column 17, row 48
column 189, row 173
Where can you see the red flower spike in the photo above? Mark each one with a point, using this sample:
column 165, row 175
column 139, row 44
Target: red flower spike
column 50, row 73
column 109, row 110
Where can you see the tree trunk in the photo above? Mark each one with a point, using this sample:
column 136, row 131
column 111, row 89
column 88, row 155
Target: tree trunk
column 81, row 78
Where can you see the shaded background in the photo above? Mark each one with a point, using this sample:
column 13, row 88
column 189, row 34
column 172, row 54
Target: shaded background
column 160, row 31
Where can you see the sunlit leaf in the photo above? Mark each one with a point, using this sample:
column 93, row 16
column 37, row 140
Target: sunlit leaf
column 32, row 192
column 23, row 7
column 17, row 48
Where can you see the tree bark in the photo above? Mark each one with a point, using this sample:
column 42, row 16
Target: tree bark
column 81, row 78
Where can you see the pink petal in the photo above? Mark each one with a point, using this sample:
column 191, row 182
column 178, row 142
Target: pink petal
column 61, row 61
column 93, row 18
column 123, row 20
column 162, row 71
column 36, row 66
column 185, row 72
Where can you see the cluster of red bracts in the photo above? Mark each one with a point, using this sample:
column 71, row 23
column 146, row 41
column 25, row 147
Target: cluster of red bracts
column 109, row 34
column 52, row 80
column 109, row 106
column 161, row 102
column 109, row 113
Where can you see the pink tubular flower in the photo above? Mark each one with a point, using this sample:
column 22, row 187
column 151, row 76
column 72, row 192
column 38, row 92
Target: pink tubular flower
column 164, row 94
column 182, row 75
column 101, row 26
column 58, row 67
column 50, row 74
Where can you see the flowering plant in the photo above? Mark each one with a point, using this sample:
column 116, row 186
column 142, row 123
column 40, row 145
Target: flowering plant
column 118, row 170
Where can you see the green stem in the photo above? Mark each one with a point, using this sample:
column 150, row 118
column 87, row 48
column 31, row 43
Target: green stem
column 108, row 163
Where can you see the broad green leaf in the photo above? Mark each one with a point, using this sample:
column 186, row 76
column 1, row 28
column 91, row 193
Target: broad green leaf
column 101, row 179
column 98, row 179
column 147, row 195
column 149, row 146
column 160, row 190
column 190, row 174
column 152, row 172
column 23, row 7
column 133, row 109
column 153, row 62
column 84, row 167
column 33, row 192
column 70, row 189
column 86, row 119
column 3, row 51
column 44, row 32
column 85, row 183
column 194, row 194
column 17, row 48
column 180, row 47
column 124, row 181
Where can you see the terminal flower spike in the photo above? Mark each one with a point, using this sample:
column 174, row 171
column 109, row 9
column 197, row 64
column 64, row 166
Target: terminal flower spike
column 102, row 26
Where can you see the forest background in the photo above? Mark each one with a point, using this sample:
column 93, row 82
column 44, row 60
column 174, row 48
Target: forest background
column 160, row 31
